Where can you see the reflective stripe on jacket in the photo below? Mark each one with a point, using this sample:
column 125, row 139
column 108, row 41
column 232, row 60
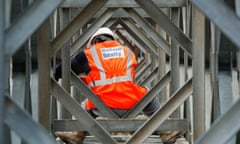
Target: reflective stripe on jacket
column 111, row 75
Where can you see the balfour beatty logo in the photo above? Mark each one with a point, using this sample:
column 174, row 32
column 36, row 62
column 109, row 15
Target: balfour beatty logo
column 115, row 52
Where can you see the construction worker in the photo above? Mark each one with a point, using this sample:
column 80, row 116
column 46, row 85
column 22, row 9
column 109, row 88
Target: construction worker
column 110, row 71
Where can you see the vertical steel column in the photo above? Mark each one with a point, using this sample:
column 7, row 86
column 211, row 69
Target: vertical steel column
column 2, row 72
column 44, row 48
column 186, row 15
column 237, row 7
column 175, row 68
column 198, row 28
column 162, row 61
column 65, row 55
column 214, row 51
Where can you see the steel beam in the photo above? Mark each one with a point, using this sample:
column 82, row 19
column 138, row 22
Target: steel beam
column 150, row 46
column 149, row 96
column 64, row 18
column 79, row 43
column 223, row 128
column 149, row 30
column 126, row 3
column 123, row 125
column 29, row 130
column 150, row 78
column 166, row 24
column 222, row 16
column 198, row 30
column 34, row 16
column 79, row 21
column 2, row 71
column 82, row 116
column 162, row 114
column 44, row 67
column 89, row 94
column 174, row 62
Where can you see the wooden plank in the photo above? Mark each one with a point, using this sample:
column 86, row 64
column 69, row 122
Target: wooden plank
column 121, row 125
column 126, row 3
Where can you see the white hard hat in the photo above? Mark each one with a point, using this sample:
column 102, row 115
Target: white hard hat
column 100, row 31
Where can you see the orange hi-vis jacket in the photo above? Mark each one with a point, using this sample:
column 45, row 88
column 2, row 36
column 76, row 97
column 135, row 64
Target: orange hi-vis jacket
column 111, row 75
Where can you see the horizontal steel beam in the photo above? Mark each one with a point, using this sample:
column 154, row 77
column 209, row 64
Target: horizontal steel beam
column 159, row 17
column 81, row 115
column 23, row 124
column 126, row 3
column 222, row 16
column 162, row 114
column 122, row 125
column 34, row 16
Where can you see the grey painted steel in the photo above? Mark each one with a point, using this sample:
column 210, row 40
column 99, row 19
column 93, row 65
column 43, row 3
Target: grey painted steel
column 166, row 24
column 175, row 64
column 198, row 36
column 162, row 114
column 223, row 17
column 150, row 78
column 34, row 16
column 149, row 96
column 82, row 116
column 223, row 128
column 25, row 126
column 144, row 73
column 134, row 32
column 149, row 30
column 126, row 3
column 237, row 3
column 79, row 21
column 28, row 71
column 44, row 64
column 225, row 91
column 121, row 125
column 2, row 71
column 139, row 36
column 89, row 94
column 214, row 51
column 79, row 43
column 64, row 19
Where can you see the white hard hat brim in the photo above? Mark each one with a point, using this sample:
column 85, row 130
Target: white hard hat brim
column 100, row 31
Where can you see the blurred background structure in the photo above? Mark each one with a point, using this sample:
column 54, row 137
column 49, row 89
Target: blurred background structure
column 188, row 54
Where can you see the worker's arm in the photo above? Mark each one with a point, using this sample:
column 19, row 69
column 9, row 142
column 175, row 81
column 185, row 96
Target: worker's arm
column 79, row 64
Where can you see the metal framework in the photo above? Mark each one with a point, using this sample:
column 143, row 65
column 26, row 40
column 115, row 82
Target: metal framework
column 137, row 24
